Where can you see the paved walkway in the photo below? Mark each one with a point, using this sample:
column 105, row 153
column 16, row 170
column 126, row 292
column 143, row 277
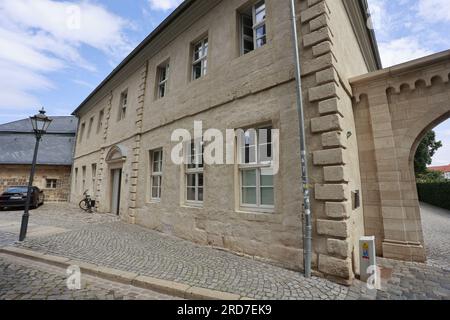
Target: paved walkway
column 436, row 229
column 22, row 279
column 102, row 240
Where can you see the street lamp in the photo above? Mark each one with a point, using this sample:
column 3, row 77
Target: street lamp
column 40, row 123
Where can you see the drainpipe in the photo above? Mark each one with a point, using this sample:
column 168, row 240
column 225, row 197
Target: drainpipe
column 307, row 226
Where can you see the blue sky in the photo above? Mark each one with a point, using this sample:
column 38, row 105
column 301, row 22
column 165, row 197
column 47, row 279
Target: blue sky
column 54, row 53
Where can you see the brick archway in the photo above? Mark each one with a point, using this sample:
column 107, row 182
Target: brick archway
column 394, row 108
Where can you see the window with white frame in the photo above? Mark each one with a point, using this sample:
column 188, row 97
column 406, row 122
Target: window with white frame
column 200, row 59
column 194, row 173
column 123, row 105
column 80, row 137
column 100, row 121
column 91, row 123
column 76, row 179
column 50, row 183
column 156, row 160
column 83, row 177
column 255, row 171
column 253, row 27
column 94, row 177
column 163, row 77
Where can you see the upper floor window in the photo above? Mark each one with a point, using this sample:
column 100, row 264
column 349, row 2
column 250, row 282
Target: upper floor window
column 100, row 121
column 194, row 173
column 91, row 123
column 253, row 27
column 123, row 105
column 163, row 76
column 80, row 137
column 156, row 161
column 200, row 59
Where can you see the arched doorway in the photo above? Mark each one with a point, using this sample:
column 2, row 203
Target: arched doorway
column 115, row 160
column 394, row 108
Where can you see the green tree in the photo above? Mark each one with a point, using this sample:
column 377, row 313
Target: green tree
column 431, row 177
column 425, row 152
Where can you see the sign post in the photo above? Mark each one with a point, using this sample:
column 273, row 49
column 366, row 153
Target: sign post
column 367, row 258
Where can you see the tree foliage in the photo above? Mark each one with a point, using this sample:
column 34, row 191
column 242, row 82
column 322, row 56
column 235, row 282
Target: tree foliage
column 425, row 152
column 431, row 177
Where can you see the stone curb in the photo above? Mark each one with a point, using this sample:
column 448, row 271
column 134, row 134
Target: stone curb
column 159, row 285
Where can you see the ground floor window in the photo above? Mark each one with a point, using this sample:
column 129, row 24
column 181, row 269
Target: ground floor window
column 255, row 170
column 156, row 157
column 51, row 183
column 194, row 173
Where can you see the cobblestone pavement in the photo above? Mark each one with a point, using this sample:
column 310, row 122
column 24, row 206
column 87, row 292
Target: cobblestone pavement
column 21, row 279
column 436, row 229
column 105, row 241
column 146, row 252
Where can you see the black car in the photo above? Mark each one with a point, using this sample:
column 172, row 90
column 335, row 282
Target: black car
column 15, row 197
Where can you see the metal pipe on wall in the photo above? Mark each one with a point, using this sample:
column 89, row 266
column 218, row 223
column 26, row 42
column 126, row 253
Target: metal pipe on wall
column 307, row 222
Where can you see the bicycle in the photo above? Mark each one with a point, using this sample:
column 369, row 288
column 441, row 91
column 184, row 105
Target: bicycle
column 87, row 204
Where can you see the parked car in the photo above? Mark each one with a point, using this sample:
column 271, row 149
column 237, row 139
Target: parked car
column 15, row 197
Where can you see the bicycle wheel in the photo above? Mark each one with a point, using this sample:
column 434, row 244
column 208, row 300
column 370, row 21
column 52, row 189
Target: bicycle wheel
column 84, row 205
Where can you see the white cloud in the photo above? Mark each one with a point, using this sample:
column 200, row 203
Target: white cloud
column 434, row 10
column 40, row 37
column 401, row 50
column 164, row 4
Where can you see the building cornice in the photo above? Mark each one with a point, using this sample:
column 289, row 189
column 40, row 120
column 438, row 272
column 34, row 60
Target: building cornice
column 358, row 11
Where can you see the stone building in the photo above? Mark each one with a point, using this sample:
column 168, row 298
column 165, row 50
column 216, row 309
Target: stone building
column 54, row 162
column 230, row 64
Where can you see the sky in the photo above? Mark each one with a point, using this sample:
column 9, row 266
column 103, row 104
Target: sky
column 54, row 53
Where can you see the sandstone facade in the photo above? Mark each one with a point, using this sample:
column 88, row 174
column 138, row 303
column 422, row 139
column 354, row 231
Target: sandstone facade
column 240, row 91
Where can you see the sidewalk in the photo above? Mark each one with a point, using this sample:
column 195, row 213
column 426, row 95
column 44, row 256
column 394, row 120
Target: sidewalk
column 145, row 252
column 112, row 249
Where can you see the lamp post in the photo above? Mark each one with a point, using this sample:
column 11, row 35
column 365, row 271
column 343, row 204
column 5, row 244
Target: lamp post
column 40, row 123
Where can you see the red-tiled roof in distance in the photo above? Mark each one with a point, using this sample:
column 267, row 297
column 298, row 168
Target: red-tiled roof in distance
column 440, row 168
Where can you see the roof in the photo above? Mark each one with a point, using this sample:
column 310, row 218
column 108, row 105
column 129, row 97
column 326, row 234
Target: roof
column 65, row 124
column 440, row 168
column 172, row 17
column 17, row 142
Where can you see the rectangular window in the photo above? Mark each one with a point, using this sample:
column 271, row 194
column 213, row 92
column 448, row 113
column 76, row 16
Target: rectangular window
column 256, row 175
column 100, row 121
column 163, row 76
column 94, row 177
column 194, row 173
column 200, row 59
column 76, row 179
column 50, row 183
column 123, row 105
column 91, row 123
column 80, row 137
column 156, row 160
column 83, row 176
column 253, row 27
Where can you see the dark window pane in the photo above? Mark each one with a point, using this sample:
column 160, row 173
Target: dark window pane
column 200, row 179
column 190, row 196
column 190, row 180
column 200, row 194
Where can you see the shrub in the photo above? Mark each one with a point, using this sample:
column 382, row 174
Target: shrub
column 435, row 193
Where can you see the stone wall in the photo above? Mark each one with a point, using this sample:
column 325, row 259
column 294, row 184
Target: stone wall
column 242, row 91
column 18, row 175
column 394, row 108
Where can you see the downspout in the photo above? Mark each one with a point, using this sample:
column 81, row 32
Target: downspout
column 307, row 226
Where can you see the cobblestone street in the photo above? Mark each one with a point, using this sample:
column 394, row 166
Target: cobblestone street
column 21, row 279
column 436, row 229
column 105, row 241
